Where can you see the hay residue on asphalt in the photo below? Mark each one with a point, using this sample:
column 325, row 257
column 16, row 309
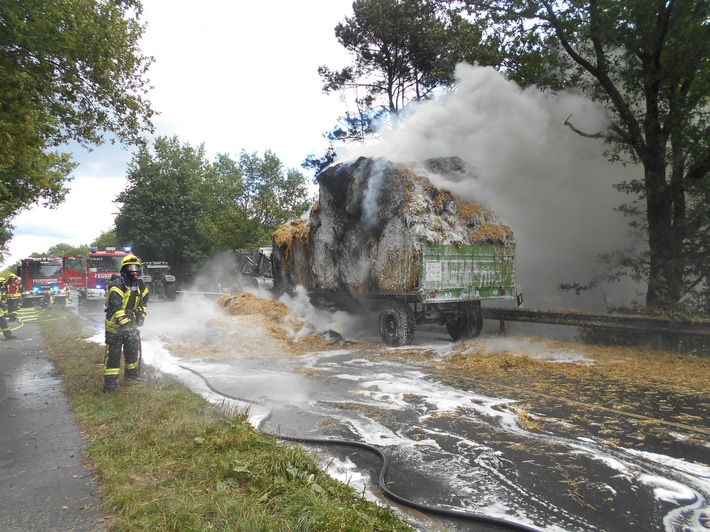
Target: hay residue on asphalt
column 639, row 365
column 282, row 331
column 246, row 303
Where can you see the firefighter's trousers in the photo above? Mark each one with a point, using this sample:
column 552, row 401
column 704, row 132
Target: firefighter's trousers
column 4, row 325
column 13, row 305
column 128, row 340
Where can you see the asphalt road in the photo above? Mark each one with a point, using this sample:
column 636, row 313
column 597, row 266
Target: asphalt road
column 456, row 443
column 44, row 485
column 451, row 443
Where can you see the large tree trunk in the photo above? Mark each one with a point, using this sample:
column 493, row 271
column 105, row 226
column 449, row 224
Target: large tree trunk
column 665, row 280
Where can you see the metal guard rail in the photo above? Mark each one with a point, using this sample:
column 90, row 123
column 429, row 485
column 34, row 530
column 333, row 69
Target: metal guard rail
column 601, row 321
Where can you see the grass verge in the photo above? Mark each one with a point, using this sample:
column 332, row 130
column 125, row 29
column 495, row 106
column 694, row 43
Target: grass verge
column 165, row 459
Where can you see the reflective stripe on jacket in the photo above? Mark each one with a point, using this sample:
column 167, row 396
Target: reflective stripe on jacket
column 125, row 302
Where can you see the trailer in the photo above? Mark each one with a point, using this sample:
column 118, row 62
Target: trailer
column 383, row 238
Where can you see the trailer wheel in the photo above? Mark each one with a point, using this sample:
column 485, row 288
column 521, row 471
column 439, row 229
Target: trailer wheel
column 466, row 326
column 396, row 323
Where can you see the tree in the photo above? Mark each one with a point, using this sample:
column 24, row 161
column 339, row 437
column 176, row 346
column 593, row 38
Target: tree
column 64, row 250
column 404, row 50
column 249, row 198
column 69, row 70
column 107, row 239
column 160, row 210
column 648, row 62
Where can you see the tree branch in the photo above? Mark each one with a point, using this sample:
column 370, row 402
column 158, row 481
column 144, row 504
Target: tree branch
column 582, row 133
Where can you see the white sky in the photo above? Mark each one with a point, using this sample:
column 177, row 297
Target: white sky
column 232, row 75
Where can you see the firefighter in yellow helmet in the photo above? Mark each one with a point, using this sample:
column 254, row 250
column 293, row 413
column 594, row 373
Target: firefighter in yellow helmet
column 126, row 302
column 13, row 288
column 4, row 326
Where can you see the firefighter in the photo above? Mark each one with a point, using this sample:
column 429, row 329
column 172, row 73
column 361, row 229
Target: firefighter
column 13, row 288
column 4, row 326
column 126, row 302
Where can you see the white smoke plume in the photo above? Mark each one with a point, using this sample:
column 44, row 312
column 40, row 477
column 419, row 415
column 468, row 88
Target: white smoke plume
column 552, row 186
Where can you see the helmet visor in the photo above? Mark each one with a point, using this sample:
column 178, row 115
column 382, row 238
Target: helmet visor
column 133, row 268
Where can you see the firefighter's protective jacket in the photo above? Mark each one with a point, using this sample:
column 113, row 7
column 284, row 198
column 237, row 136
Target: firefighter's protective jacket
column 13, row 287
column 126, row 303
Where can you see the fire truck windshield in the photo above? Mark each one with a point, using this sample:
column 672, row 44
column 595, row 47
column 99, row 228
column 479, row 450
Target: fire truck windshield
column 105, row 264
column 44, row 270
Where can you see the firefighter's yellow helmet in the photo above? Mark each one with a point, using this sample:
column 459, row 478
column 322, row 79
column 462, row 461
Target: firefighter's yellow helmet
column 12, row 275
column 2, row 279
column 130, row 259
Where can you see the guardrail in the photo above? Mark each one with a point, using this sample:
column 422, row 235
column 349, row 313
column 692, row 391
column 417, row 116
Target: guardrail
column 638, row 323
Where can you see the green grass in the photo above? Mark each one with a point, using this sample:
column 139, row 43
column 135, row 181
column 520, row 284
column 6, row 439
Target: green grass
column 165, row 459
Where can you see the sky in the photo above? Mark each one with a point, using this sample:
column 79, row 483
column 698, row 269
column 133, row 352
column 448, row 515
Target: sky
column 230, row 75
column 243, row 76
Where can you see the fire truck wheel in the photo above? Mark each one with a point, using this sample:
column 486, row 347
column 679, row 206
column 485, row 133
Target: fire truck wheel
column 466, row 326
column 396, row 323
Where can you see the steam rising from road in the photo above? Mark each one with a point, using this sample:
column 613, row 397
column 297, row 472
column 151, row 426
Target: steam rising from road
column 552, row 186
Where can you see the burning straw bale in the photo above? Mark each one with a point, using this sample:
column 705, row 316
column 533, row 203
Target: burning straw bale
column 246, row 303
column 366, row 232
column 290, row 246
column 281, row 331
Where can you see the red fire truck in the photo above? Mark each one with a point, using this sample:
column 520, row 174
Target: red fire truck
column 42, row 281
column 91, row 275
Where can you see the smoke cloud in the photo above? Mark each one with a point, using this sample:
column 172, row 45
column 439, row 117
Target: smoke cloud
column 552, row 186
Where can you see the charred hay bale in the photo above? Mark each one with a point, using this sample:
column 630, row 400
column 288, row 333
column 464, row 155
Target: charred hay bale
column 395, row 259
column 483, row 225
column 290, row 254
column 358, row 204
column 368, row 227
column 454, row 168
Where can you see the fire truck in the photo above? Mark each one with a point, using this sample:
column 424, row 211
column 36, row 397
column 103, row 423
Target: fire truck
column 92, row 274
column 42, row 282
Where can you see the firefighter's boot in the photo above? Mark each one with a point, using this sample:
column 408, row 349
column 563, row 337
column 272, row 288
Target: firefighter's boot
column 132, row 375
column 9, row 336
column 110, row 383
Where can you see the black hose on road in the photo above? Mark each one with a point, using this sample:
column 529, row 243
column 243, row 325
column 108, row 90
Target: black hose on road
column 382, row 478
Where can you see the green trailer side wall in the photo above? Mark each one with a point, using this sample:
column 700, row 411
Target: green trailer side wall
column 451, row 273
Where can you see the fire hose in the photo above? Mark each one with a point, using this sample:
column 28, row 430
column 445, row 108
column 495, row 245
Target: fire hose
column 382, row 477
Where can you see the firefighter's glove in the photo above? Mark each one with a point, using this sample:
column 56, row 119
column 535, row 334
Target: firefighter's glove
column 140, row 319
column 126, row 324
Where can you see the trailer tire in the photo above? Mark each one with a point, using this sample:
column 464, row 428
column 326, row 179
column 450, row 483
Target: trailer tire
column 466, row 326
column 396, row 323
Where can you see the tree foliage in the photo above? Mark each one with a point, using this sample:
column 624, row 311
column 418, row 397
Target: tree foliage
column 403, row 51
column 159, row 208
column 180, row 208
column 648, row 62
column 250, row 197
column 69, row 70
